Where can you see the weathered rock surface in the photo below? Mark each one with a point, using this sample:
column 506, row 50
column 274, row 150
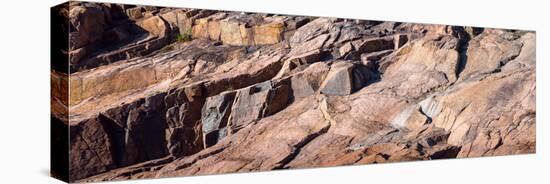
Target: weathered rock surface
column 254, row 92
column 307, row 82
column 255, row 102
column 215, row 115
column 88, row 23
column 238, row 29
column 344, row 78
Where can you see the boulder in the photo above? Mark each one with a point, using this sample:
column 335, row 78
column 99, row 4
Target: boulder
column 310, row 31
column 269, row 33
column 248, row 106
column 487, row 53
column 309, row 81
column 231, row 32
column 88, row 25
column 155, row 26
column 258, row 101
column 344, row 78
column 439, row 54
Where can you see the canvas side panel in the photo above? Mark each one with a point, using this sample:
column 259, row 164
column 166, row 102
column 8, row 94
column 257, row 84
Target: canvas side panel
column 59, row 135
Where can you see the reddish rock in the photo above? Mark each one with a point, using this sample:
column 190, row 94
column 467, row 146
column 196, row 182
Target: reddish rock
column 87, row 23
column 343, row 79
column 155, row 26
column 258, row 92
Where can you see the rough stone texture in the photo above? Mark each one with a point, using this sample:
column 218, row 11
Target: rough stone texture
column 238, row 30
column 215, row 114
column 134, row 13
column 376, row 44
column 101, row 35
column 487, row 53
column 294, row 62
column 343, row 79
column 438, row 54
column 256, row 92
column 268, row 33
column 91, row 149
column 255, row 102
column 87, row 23
column 155, row 26
column 307, row 82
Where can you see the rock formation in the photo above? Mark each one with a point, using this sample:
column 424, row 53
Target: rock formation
column 156, row 92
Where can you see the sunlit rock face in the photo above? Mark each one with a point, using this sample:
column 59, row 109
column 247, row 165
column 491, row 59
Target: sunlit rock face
column 156, row 92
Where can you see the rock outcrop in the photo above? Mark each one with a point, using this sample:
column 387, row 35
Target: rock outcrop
column 182, row 92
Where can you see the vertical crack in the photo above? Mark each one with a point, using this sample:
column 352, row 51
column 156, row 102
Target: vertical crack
column 463, row 44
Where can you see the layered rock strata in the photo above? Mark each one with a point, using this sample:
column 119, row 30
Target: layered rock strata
column 254, row 92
